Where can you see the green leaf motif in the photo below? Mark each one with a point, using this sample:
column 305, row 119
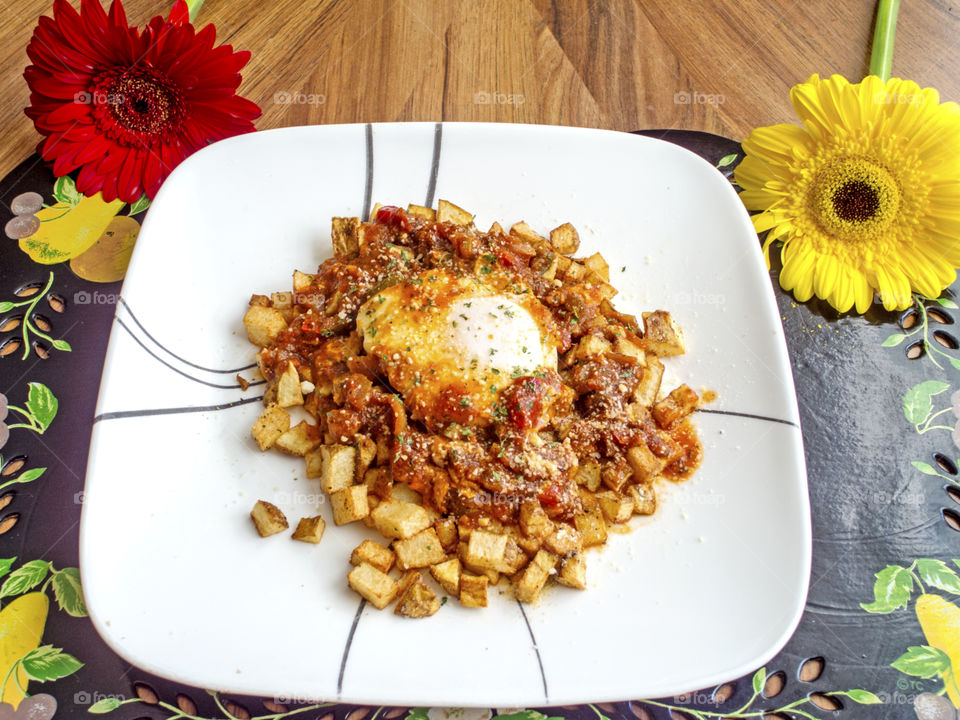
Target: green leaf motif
column 944, row 302
column 922, row 661
column 863, row 697
column 936, row 574
column 68, row 592
column 42, row 405
column 759, row 678
column 893, row 340
column 527, row 715
column 62, row 345
column 891, row 590
column 727, row 160
column 142, row 203
column 26, row 577
column 5, row 305
column 65, row 191
column 954, row 362
column 5, row 565
column 49, row 663
column 925, row 468
column 418, row 713
column 917, row 401
column 28, row 476
column 107, row 704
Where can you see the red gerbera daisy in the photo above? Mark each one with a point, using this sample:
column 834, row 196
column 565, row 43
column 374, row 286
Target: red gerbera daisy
column 125, row 105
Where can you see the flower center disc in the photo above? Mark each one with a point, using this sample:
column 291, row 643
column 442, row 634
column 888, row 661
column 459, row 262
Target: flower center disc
column 855, row 198
column 136, row 102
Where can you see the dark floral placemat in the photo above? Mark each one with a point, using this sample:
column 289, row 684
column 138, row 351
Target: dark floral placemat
column 879, row 400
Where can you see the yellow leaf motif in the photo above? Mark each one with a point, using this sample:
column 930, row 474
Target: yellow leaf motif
column 21, row 627
column 66, row 231
column 940, row 621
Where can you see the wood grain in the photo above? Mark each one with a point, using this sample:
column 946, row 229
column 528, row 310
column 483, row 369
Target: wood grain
column 724, row 66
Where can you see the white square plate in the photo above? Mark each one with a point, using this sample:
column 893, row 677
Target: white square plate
column 176, row 579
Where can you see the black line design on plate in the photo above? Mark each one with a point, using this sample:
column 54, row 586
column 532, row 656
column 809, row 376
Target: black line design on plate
column 434, row 164
column 368, row 185
column 543, row 675
column 120, row 414
column 346, row 648
column 177, row 370
column 749, row 415
column 173, row 354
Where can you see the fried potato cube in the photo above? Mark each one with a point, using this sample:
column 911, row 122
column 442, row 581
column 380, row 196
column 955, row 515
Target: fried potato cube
column 373, row 553
column 644, row 497
column 344, row 231
column 604, row 289
column 310, row 529
column 661, row 334
column 615, row 507
column 535, row 576
column 288, row 388
column 625, row 346
column 399, row 520
column 645, row 464
column 573, row 572
column 336, row 470
column 563, row 540
column 447, row 532
column 447, row 574
column 486, row 550
column 592, row 527
column 298, row 440
column 405, row 493
column 420, row 550
column 473, row 590
column 349, row 504
column 272, row 423
column 591, row 346
column 268, row 518
column 525, row 232
column 565, row 239
column 377, row 587
column 514, row 559
column 546, row 264
column 421, row 211
column 529, row 545
column 674, row 407
column 615, row 475
column 366, row 454
column 649, row 386
column 263, row 324
column 448, row 212
column 418, row 600
column 588, row 475
column 576, row 271
column 534, row 521
column 383, row 450
column 301, row 282
column 597, row 264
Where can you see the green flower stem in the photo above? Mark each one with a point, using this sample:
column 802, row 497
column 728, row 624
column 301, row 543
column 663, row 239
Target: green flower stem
column 27, row 325
column 31, row 423
column 881, row 55
column 193, row 6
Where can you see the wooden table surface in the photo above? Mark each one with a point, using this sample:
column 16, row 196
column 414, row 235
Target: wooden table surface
column 724, row 66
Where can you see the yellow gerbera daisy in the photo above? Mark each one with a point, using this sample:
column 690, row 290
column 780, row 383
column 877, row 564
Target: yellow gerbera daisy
column 864, row 197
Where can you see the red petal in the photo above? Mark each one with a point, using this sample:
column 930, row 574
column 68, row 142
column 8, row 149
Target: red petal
column 130, row 180
column 180, row 14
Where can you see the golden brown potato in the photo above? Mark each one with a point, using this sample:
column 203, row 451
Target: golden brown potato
column 645, row 464
column 573, row 572
column 272, row 423
column 615, row 507
column 420, row 550
column 268, row 519
column 675, row 407
column 592, row 527
column 399, row 520
column 473, row 590
column 377, row 587
column 373, row 553
column 343, row 233
column 349, row 504
column 288, row 388
column 661, row 334
column 418, row 600
column 298, row 440
column 337, row 467
column 565, row 239
column 310, row 529
column 263, row 324
column 447, row 574
column 448, row 212
column 535, row 576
